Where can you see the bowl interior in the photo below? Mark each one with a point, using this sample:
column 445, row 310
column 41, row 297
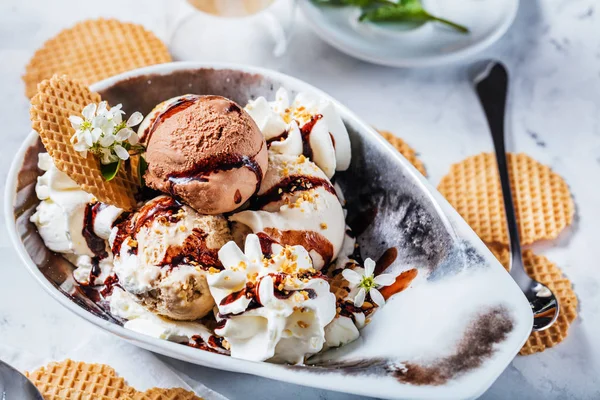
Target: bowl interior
column 389, row 206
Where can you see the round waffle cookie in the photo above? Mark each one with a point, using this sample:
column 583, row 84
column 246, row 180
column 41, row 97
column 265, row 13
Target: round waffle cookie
column 543, row 270
column 542, row 198
column 408, row 152
column 93, row 50
column 57, row 99
column 69, row 379
column 502, row 254
column 73, row 380
column 166, row 394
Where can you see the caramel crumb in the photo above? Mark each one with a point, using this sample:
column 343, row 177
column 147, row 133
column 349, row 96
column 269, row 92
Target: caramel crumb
column 213, row 270
column 303, row 324
column 323, row 225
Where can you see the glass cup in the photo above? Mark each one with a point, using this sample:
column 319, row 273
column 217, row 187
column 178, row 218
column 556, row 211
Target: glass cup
column 254, row 32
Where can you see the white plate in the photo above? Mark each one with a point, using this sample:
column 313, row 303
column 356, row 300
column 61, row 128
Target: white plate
column 428, row 45
column 448, row 336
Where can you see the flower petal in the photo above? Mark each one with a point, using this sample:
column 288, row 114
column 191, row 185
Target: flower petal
column 80, row 147
column 89, row 111
column 102, row 108
column 369, row 267
column 134, row 139
column 135, row 119
column 377, row 297
column 123, row 134
column 96, row 134
column 384, row 279
column 107, row 140
column 121, row 152
column 75, row 121
column 351, row 276
column 87, row 138
column 359, row 300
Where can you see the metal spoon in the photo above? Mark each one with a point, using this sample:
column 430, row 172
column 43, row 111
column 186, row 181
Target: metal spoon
column 14, row 385
column 491, row 85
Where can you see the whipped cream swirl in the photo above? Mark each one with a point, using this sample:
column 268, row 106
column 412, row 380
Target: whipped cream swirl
column 309, row 125
column 273, row 308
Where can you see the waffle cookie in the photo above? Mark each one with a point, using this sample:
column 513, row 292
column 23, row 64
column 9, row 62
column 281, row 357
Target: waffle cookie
column 408, row 152
column 69, row 379
column 542, row 199
column 339, row 287
column 166, row 394
column 57, row 99
column 543, row 270
column 93, row 50
column 502, row 254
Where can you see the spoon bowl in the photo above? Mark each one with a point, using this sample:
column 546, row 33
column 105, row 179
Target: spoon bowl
column 491, row 85
column 14, row 385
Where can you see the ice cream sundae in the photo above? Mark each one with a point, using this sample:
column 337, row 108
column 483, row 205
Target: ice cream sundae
column 237, row 245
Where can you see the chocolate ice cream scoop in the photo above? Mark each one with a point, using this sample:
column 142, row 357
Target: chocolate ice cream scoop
column 205, row 150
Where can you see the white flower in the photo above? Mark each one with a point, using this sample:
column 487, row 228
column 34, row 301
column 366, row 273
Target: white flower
column 103, row 132
column 366, row 282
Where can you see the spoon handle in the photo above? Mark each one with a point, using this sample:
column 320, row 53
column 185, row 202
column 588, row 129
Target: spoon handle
column 492, row 89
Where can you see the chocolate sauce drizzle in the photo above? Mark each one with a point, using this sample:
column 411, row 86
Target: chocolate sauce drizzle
column 305, row 131
column 96, row 244
column 179, row 105
column 288, row 185
column 250, row 291
column 133, row 223
column 212, row 164
column 279, row 138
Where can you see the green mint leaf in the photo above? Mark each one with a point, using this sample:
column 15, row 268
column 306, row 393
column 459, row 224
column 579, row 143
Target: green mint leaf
column 142, row 168
column 396, row 13
column 109, row 171
column 355, row 3
column 406, row 11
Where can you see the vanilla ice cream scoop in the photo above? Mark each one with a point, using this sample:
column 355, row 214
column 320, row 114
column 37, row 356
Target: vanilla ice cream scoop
column 309, row 125
column 162, row 253
column 297, row 205
column 273, row 308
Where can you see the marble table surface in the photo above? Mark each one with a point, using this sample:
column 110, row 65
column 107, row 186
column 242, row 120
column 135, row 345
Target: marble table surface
column 553, row 52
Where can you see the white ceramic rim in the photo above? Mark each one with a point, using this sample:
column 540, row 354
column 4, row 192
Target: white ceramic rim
column 432, row 61
column 217, row 361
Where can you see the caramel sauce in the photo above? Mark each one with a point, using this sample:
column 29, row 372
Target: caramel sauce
column 193, row 250
column 387, row 258
column 308, row 239
column 402, row 282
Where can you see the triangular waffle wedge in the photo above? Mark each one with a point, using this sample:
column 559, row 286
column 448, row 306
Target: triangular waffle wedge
column 408, row 152
column 542, row 199
column 70, row 380
column 166, row 394
column 56, row 100
column 93, row 50
column 543, row 270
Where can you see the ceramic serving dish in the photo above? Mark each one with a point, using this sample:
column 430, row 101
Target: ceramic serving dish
column 449, row 335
